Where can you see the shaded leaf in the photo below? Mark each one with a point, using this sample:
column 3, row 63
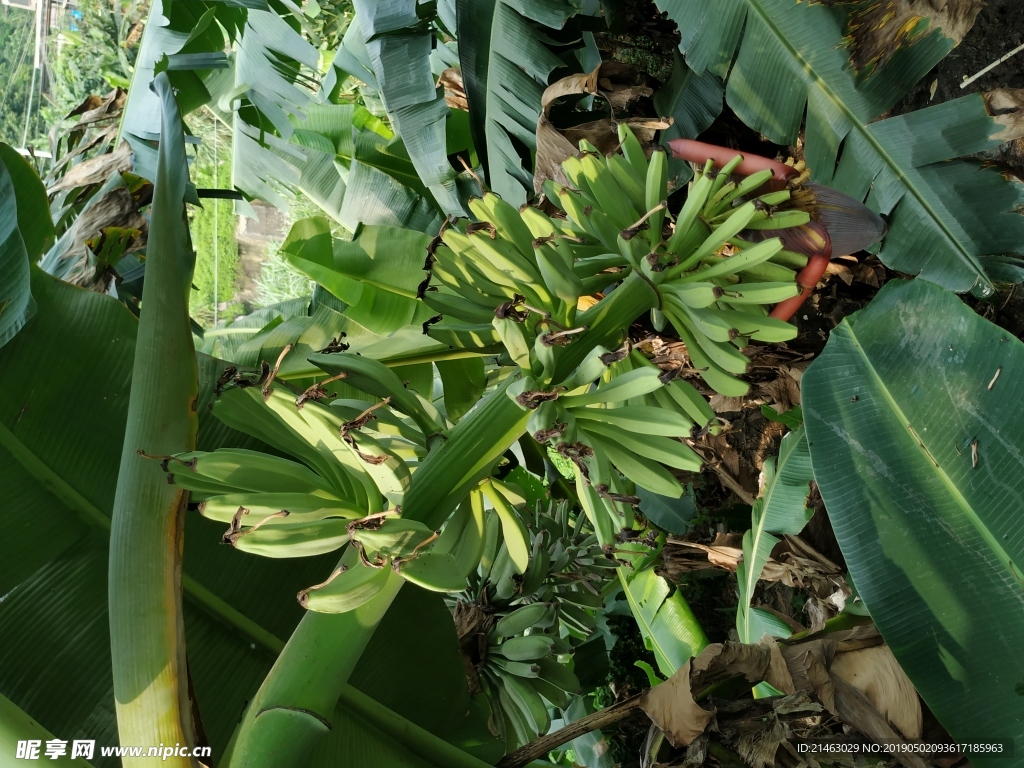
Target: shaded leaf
column 672, row 515
column 780, row 509
column 931, row 540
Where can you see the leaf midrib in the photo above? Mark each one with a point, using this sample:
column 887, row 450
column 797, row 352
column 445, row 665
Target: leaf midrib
column 862, row 130
column 94, row 517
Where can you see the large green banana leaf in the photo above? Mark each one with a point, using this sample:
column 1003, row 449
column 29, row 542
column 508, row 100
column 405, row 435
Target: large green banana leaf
column 400, row 45
column 914, row 415
column 780, row 509
column 376, row 274
column 60, row 438
column 790, row 59
column 359, row 172
column 505, row 68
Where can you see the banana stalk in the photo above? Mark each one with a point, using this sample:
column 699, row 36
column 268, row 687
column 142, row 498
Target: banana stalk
column 294, row 705
column 147, row 636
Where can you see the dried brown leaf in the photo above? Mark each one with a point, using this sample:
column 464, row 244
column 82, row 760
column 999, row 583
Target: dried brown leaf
column 876, row 674
column 96, row 170
column 671, row 707
column 1006, row 105
column 554, row 146
column 876, row 30
column 454, row 89
column 722, row 661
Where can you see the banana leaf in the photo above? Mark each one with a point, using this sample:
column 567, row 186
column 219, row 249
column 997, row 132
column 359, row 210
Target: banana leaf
column 666, row 622
column 60, row 438
column 399, row 45
column 505, row 68
column 224, row 339
column 376, row 274
column 780, row 509
column 25, row 231
column 16, row 728
column 790, row 59
column 146, row 622
column 913, row 415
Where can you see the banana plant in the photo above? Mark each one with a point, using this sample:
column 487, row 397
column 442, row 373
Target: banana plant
column 391, row 480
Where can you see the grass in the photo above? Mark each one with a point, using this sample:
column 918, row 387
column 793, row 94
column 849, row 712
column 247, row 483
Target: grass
column 213, row 245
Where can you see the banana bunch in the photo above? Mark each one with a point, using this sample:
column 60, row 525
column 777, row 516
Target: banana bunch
column 341, row 471
column 714, row 287
column 623, row 432
column 529, row 621
column 515, row 278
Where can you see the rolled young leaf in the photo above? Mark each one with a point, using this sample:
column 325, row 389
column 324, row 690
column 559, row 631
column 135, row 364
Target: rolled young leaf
column 146, row 626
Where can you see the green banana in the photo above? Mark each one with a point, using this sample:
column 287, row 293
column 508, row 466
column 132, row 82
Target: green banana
column 375, row 378
column 749, row 184
column 723, row 353
column 307, row 540
column 513, row 335
column 759, row 327
column 347, row 588
column 525, row 647
column 390, row 536
column 693, row 295
column 558, row 675
column 516, row 537
column 436, row 571
column 712, row 243
column 721, row 181
column 506, row 219
column 525, row 669
column 390, row 473
column 463, row 535
column 638, row 469
column 611, row 199
column 577, row 621
column 695, row 200
column 623, row 387
column 632, row 151
column 558, row 276
column 300, row 506
column 655, row 191
column 472, row 336
column 451, row 304
column 712, row 324
column 551, row 693
column 637, row 419
column 759, row 293
column 655, row 447
column 238, row 469
column 780, row 220
column 742, row 261
column 722, row 382
column 623, row 176
column 492, row 539
column 525, row 696
column 522, row 619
